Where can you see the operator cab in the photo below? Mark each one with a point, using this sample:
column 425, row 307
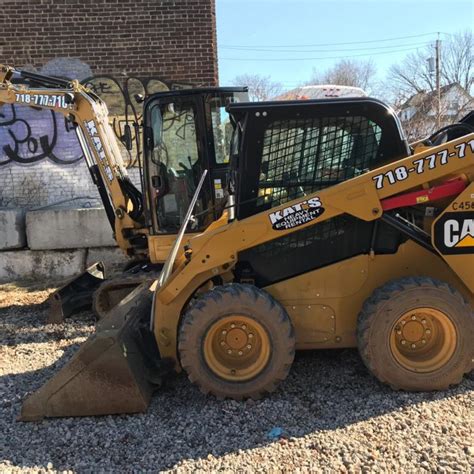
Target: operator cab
column 186, row 132
column 288, row 150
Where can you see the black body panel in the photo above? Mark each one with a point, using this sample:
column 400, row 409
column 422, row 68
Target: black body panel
column 315, row 247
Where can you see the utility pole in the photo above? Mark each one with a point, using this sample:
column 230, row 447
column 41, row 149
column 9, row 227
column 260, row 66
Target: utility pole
column 438, row 81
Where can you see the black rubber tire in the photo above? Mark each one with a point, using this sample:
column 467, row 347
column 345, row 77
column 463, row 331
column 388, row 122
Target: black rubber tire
column 386, row 305
column 251, row 302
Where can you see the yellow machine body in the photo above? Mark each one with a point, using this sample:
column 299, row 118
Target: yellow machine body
column 323, row 304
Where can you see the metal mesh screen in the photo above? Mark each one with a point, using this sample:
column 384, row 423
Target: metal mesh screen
column 316, row 246
column 323, row 232
column 308, row 249
column 304, row 155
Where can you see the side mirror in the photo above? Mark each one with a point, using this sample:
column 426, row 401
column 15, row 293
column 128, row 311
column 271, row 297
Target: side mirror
column 126, row 138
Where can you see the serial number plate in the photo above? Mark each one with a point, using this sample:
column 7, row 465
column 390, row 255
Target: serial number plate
column 423, row 164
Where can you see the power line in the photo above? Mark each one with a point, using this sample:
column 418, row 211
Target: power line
column 324, row 50
column 320, row 58
column 337, row 44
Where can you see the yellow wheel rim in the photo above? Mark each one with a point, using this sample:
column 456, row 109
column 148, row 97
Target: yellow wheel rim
column 423, row 340
column 236, row 348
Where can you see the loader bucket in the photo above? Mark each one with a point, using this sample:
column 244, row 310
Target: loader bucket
column 76, row 295
column 111, row 371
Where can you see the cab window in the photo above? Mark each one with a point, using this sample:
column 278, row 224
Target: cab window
column 175, row 167
column 222, row 128
column 300, row 157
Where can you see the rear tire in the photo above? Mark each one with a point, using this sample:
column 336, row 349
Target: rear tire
column 236, row 342
column 416, row 334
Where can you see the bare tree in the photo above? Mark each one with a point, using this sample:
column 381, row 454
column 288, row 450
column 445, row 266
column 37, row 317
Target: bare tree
column 260, row 87
column 413, row 74
column 413, row 86
column 458, row 60
column 347, row 72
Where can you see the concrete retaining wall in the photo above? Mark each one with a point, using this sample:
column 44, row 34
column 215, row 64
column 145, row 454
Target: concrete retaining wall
column 12, row 229
column 68, row 229
column 56, row 264
column 21, row 264
column 62, row 243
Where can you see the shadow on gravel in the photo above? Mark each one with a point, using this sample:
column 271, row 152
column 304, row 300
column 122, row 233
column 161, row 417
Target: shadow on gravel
column 326, row 390
column 27, row 324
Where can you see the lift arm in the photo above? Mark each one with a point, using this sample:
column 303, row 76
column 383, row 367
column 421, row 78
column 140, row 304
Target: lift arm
column 89, row 116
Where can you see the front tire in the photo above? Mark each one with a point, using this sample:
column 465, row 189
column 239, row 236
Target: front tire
column 416, row 334
column 236, row 342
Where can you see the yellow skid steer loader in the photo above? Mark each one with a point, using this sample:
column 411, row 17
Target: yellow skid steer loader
column 336, row 234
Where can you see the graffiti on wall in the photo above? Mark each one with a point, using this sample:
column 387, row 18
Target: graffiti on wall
column 125, row 107
column 30, row 135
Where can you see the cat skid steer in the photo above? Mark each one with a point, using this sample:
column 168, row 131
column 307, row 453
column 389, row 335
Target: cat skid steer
column 337, row 235
column 195, row 135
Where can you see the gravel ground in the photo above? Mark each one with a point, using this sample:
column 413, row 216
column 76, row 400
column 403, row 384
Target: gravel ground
column 333, row 415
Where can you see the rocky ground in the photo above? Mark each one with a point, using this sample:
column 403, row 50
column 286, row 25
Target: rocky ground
column 329, row 415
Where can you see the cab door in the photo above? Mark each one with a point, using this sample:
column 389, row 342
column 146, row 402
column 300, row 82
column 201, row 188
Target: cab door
column 220, row 129
column 175, row 157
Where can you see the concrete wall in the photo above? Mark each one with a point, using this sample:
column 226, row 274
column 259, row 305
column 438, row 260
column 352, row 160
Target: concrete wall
column 55, row 265
column 12, row 229
column 55, row 243
column 51, row 229
column 32, row 265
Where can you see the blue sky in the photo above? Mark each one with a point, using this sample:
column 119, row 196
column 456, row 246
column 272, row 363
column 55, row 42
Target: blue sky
column 279, row 25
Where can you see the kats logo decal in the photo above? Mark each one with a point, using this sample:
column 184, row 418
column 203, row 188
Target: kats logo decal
column 296, row 215
column 454, row 233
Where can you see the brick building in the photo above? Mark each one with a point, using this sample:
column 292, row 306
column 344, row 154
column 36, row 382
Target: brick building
column 159, row 42
column 171, row 39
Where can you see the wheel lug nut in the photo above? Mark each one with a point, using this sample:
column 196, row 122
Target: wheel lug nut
column 399, row 332
column 244, row 327
column 224, row 332
column 404, row 342
column 240, row 353
column 229, row 352
column 222, row 343
column 249, row 346
column 428, row 331
column 423, row 321
column 423, row 341
column 250, row 336
column 413, row 346
column 232, row 326
column 413, row 317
